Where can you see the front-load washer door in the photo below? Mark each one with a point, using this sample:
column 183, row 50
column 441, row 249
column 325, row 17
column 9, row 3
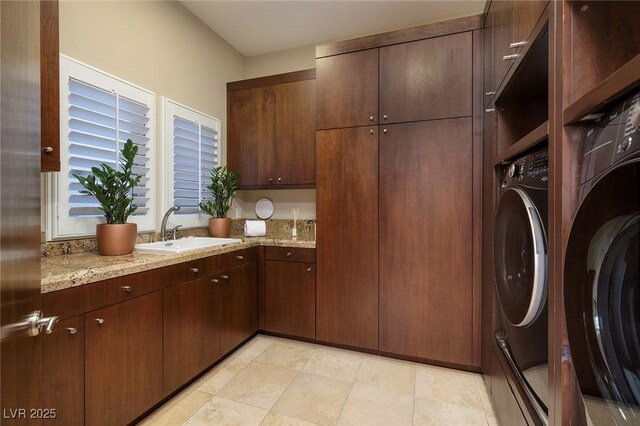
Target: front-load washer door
column 520, row 258
column 602, row 297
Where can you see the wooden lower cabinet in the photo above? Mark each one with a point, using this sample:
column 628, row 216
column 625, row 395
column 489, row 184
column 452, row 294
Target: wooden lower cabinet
column 123, row 360
column 347, row 237
column 63, row 372
column 238, row 305
column 191, row 317
column 426, row 304
column 290, row 298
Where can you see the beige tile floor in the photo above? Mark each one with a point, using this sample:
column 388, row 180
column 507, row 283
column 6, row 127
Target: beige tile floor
column 273, row 381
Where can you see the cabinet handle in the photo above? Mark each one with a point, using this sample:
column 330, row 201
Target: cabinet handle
column 510, row 57
column 270, row 179
column 215, row 280
column 71, row 330
column 99, row 320
column 288, row 254
column 384, row 117
column 239, row 257
column 371, row 118
column 224, row 277
column 489, row 110
column 384, row 131
column 517, row 44
column 489, row 93
column 370, row 131
column 309, row 269
column 48, row 150
column 127, row 288
column 194, row 270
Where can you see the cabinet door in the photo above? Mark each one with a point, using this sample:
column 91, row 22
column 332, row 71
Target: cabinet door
column 347, row 236
column 290, row 298
column 487, row 57
column 123, row 360
column 525, row 16
column 347, row 90
column 63, row 372
column 250, row 143
column 426, row 79
column 49, row 86
column 296, row 133
column 191, row 330
column 426, row 240
column 502, row 38
column 239, row 305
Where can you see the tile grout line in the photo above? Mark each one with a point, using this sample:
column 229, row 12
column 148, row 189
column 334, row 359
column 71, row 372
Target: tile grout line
column 353, row 382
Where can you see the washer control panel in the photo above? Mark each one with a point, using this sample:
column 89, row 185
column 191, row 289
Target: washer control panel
column 531, row 170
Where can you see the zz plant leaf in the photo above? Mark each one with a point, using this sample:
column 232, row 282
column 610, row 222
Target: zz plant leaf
column 114, row 188
column 223, row 187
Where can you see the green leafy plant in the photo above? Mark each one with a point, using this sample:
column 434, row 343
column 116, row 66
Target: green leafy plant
column 113, row 188
column 223, row 187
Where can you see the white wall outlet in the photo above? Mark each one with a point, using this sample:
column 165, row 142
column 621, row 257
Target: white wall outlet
column 238, row 212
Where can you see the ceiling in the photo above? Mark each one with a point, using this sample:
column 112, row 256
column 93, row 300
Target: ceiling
column 257, row 27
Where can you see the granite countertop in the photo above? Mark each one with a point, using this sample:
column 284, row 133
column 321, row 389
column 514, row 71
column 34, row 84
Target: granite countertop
column 72, row 270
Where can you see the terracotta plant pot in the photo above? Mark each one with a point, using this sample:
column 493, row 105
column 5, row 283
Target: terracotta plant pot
column 115, row 240
column 220, row 227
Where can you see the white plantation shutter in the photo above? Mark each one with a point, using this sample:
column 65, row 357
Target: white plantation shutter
column 193, row 149
column 98, row 114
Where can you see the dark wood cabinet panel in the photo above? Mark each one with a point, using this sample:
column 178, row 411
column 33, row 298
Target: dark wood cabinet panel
column 191, row 331
column 525, row 15
column 251, row 137
column 290, row 298
column 347, row 90
column 347, row 236
column 487, row 60
column 63, row 372
column 49, row 86
column 502, row 39
column 426, row 79
column 426, row 289
column 239, row 305
column 295, row 161
column 123, row 360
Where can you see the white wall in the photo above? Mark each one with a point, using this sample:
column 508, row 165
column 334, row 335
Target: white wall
column 296, row 59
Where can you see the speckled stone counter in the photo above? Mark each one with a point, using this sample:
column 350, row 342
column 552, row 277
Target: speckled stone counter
column 72, row 270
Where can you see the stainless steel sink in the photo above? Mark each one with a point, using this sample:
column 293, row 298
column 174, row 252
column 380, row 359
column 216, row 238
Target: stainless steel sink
column 184, row 244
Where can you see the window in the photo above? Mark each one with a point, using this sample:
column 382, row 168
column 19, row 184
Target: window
column 98, row 113
column 192, row 150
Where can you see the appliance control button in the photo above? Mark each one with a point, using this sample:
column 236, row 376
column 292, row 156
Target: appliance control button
column 626, row 144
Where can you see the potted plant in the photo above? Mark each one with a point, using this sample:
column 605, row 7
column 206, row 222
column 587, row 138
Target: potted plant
column 223, row 187
column 114, row 191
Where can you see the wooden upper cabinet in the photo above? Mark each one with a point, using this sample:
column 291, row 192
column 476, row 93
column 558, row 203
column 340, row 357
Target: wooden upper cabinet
column 427, row 79
column 251, row 133
column 525, row 15
column 502, row 39
column 426, row 303
column 347, row 238
column 272, row 130
column 295, row 161
column 347, row 90
column 488, row 89
column 49, row 87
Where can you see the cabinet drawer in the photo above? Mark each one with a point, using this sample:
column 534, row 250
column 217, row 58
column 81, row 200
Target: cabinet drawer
column 192, row 270
column 290, row 254
column 116, row 290
column 238, row 257
column 64, row 303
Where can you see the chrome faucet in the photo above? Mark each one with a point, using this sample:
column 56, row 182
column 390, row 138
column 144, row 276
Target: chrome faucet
column 163, row 227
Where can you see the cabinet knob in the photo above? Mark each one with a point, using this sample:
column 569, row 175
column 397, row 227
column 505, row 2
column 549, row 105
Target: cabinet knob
column 517, row 44
column 48, row 150
column 370, row 131
column 99, row 320
column 371, row 118
column 384, row 117
column 224, row 277
column 309, row 269
column 270, row 179
column 384, row 131
column 510, row 57
column 279, row 179
column 490, row 93
column 194, row 270
column 71, row 330
column 239, row 257
column 215, row 280
column 288, row 254
column 127, row 288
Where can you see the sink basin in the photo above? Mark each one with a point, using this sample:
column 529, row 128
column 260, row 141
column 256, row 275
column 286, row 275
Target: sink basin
column 184, row 244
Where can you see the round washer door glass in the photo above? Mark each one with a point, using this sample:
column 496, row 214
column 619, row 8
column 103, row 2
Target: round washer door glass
column 520, row 258
column 602, row 297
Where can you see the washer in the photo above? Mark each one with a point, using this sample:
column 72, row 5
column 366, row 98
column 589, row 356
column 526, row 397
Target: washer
column 602, row 269
column 520, row 270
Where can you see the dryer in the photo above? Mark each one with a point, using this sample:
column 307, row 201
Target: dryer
column 520, row 271
column 602, row 269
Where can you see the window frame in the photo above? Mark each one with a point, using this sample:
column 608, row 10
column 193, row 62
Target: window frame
column 169, row 109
